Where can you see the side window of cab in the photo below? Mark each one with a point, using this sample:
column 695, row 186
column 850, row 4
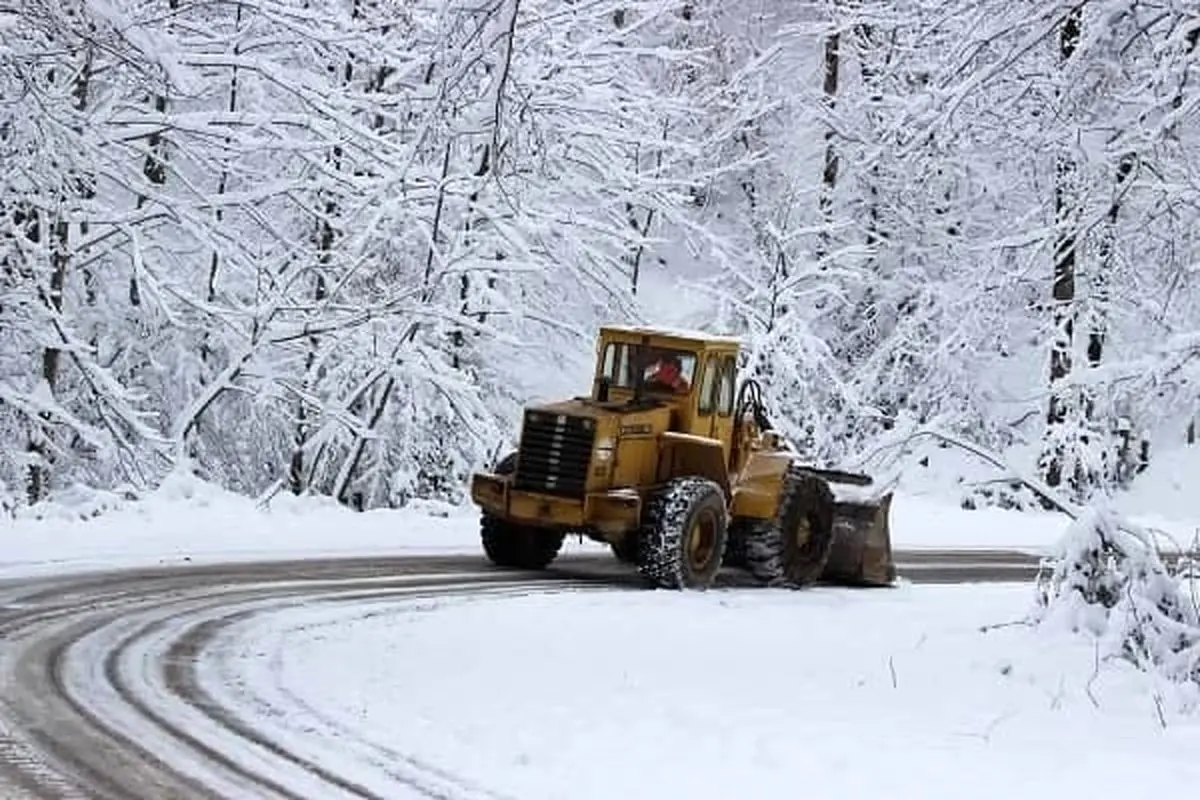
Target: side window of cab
column 725, row 387
column 708, row 386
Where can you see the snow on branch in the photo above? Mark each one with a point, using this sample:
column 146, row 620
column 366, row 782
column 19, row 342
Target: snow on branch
column 1108, row 578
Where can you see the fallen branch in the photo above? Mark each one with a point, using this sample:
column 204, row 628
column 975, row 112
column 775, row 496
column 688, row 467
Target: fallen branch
column 1010, row 472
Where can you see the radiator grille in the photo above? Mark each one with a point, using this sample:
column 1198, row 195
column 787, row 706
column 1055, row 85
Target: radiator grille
column 555, row 452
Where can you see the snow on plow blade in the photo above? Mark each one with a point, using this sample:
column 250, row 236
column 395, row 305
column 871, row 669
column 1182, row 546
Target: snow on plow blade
column 861, row 554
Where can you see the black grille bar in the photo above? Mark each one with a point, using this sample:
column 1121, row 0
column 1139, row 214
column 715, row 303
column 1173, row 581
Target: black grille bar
column 556, row 450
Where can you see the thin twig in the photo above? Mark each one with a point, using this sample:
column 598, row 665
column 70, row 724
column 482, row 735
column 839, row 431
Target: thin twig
column 1095, row 674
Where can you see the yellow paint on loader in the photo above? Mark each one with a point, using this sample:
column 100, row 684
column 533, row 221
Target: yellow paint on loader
column 673, row 463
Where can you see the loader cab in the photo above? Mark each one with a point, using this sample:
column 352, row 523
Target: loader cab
column 694, row 374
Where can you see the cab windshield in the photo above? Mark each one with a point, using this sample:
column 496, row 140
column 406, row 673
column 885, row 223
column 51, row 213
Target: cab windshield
column 663, row 370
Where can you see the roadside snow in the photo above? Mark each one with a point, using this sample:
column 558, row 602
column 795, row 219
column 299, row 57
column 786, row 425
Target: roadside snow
column 897, row 693
column 189, row 521
column 1163, row 498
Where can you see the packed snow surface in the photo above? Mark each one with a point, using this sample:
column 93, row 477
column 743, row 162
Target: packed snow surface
column 919, row 691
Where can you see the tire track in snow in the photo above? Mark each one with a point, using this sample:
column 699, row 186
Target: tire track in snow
column 65, row 743
column 103, row 699
column 228, row 758
column 397, row 767
column 37, row 745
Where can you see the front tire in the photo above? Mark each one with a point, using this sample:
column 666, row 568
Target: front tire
column 625, row 549
column 508, row 544
column 682, row 540
column 792, row 549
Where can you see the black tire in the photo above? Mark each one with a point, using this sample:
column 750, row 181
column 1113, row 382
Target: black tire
column 625, row 549
column 735, row 543
column 508, row 544
column 681, row 543
column 793, row 549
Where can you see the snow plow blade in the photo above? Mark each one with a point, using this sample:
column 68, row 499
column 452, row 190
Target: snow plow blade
column 861, row 554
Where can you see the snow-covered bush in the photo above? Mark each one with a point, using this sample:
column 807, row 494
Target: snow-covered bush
column 1108, row 579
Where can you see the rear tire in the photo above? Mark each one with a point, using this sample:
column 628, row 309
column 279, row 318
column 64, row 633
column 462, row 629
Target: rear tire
column 681, row 543
column 793, row 549
column 508, row 544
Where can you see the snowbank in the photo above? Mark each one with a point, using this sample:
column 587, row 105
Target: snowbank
column 915, row 692
column 188, row 520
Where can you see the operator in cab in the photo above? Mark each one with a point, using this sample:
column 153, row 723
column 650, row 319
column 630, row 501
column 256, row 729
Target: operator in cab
column 667, row 375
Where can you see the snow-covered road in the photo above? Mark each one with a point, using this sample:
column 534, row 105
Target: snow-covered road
column 115, row 684
column 101, row 696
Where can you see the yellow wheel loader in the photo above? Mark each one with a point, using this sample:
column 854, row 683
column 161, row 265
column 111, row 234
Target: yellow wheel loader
column 677, row 469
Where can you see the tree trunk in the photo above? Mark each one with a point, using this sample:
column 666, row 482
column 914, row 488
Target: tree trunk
column 1063, row 288
column 869, row 50
column 1128, row 462
column 345, row 477
column 486, row 167
column 1098, row 323
column 193, row 429
column 829, row 175
column 155, row 165
column 81, row 188
column 297, row 481
column 223, row 180
column 327, row 239
column 37, row 474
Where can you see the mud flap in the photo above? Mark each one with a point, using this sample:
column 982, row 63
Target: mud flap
column 861, row 554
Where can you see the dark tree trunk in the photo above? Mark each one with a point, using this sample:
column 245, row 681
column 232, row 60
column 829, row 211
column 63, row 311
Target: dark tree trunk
column 297, row 481
column 155, row 166
column 223, row 180
column 193, row 431
column 486, row 168
column 1098, row 324
column 327, row 237
column 869, row 49
column 829, row 175
column 1063, row 287
column 81, row 188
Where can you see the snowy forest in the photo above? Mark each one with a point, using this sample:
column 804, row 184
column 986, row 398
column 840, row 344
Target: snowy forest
column 332, row 247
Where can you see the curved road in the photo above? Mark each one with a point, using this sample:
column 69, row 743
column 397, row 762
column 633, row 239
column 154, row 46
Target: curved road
column 99, row 694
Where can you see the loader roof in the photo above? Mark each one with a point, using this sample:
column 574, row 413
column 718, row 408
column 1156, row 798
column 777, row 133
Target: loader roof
column 692, row 336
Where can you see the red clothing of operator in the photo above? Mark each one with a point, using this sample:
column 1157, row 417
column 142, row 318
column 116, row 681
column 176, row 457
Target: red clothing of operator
column 668, row 373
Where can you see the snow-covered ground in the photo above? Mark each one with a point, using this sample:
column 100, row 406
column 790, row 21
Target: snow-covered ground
column 551, row 691
column 187, row 521
column 825, row 694
column 190, row 522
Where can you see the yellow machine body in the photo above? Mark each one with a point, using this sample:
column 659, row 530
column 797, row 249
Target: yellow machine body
column 588, row 464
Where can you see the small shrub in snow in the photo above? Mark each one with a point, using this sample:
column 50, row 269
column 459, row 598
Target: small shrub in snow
column 1108, row 579
column 1010, row 495
column 74, row 502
